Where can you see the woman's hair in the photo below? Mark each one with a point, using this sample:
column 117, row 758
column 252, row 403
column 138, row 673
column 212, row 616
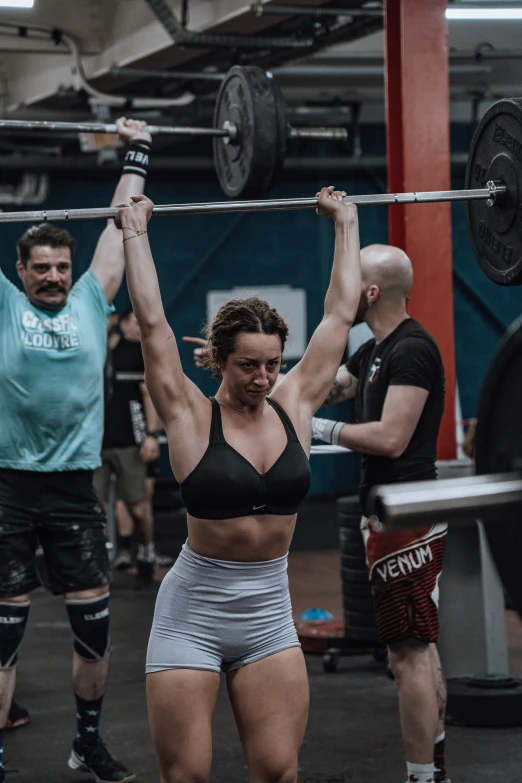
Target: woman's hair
column 251, row 315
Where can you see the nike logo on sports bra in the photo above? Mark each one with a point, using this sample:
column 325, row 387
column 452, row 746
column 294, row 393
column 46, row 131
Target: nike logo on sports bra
column 255, row 508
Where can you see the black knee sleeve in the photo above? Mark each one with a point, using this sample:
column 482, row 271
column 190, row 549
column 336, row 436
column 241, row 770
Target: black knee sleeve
column 13, row 619
column 90, row 626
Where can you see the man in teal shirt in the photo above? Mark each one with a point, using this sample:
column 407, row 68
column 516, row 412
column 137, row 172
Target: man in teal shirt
column 52, row 352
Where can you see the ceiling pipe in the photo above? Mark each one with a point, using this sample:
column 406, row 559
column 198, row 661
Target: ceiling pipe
column 147, row 73
column 259, row 9
column 181, row 37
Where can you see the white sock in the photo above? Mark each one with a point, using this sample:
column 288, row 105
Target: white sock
column 440, row 738
column 146, row 552
column 420, row 773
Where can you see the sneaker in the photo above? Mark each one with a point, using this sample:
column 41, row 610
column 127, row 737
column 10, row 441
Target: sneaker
column 97, row 760
column 163, row 561
column 18, row 717
column 123, row 561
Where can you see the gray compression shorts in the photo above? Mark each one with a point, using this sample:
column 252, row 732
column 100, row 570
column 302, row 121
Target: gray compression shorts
column 219, row 615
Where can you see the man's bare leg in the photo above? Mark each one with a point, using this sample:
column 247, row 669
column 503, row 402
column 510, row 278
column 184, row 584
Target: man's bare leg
column 412, row 664
column 440, row 688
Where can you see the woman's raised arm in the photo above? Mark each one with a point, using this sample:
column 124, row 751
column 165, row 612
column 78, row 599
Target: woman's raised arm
column 166, row 382
column 312, row 378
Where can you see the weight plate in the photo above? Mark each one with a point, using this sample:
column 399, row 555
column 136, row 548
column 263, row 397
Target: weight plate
column 369, row 635
column 358, row 604
column 351, row 541
column 498, row 443
column 354, row 575
column 359, row 620
column 282, row 132
column 245, row 166
column 472, row 706
column 354, row 561
column 350, row 505
column 496, row 154
column 356, row 589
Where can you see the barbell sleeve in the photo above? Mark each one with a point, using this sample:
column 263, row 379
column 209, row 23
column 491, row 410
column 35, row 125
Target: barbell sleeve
column 421, row 503
column 321, row 134
column 490, row 193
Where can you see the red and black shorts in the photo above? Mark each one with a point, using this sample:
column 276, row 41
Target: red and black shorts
column 405, row 568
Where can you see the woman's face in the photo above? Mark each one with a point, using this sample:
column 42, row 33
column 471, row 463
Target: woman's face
column 251, row 371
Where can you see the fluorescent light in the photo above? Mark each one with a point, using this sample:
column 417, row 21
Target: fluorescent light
column 16, row 3
column 484, row 13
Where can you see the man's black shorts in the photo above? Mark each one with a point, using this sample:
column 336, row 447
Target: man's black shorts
column 61, row 512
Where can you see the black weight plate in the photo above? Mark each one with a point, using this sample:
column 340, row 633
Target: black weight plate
column 245, row 167
column 356, row 589
column 358, row 604
column 351, row 540
column 370, row 635
column 498, row 443
column 282, row 132
column 359, row 620
column 495, row 232
column 354, row 561
column 351, row 505
column 354, row 575
column 472, row 706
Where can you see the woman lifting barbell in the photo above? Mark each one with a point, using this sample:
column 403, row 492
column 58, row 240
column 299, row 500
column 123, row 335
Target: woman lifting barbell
column 241, row 460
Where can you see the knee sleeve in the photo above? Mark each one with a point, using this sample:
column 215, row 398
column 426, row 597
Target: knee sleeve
column 13, row 619
column 90, row 626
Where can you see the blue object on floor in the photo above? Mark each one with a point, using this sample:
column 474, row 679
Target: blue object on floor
column 316, row 614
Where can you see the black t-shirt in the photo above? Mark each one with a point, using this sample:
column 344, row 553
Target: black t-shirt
column 125, row 423
column 409, row 356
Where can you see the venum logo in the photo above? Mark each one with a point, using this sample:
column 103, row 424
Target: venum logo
column 43, row 334
column 405, row 564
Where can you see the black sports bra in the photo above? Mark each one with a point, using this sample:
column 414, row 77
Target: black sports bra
column 225, row 485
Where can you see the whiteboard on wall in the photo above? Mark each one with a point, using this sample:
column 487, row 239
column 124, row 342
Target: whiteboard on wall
column 289, row 302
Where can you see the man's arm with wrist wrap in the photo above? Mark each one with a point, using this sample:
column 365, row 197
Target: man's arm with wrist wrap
column 108, row 262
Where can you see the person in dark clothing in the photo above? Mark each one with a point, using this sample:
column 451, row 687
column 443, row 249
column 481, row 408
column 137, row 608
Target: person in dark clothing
column 397, row 379
column 130, row 440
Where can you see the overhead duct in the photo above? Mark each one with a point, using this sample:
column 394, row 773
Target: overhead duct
column 182, row 37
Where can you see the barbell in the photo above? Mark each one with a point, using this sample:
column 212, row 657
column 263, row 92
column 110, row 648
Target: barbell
column 250, row 131
column 249, row 101
column 495, row 494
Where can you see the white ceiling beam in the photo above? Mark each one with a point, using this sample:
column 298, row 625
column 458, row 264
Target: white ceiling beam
column 131, row 33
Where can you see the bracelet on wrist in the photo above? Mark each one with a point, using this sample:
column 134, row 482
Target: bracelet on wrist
column 153, row 434
column 134, row 236
column 137, row 158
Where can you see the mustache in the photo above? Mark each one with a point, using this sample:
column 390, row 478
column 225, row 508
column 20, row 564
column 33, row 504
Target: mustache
column 51, row 289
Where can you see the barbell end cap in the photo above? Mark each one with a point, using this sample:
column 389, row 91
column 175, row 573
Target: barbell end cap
column 232, row 131
column 497, row 193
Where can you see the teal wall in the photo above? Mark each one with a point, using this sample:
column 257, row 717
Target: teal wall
column 196, row 253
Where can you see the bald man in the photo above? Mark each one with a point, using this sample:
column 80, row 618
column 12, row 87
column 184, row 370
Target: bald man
column 397, row 380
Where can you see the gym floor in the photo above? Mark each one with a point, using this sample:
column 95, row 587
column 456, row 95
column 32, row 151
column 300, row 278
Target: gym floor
column 353, row 730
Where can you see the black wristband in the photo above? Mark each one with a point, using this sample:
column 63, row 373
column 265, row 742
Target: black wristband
column 137, row 158
column 153, row 433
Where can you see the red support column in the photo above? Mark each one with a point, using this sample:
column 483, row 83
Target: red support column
column 417, row 109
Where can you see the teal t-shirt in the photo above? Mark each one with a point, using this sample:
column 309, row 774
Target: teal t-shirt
column 51, row 379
